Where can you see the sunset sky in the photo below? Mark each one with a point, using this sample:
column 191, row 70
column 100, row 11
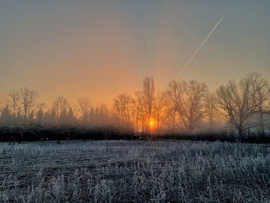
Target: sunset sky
column 99, row 49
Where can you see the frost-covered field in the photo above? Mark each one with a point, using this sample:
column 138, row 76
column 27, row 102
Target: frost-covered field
column 136, row 171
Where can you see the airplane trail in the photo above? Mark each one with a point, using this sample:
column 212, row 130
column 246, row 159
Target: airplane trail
column 198, row 49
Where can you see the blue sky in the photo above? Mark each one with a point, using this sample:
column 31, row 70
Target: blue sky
column 102, row 48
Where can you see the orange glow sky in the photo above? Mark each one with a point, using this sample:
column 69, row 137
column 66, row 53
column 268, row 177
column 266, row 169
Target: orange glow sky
column 99, row 49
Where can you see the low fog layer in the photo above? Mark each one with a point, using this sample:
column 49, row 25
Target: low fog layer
column 187, row 107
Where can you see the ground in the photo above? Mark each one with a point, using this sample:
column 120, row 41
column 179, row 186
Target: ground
column 134, row 171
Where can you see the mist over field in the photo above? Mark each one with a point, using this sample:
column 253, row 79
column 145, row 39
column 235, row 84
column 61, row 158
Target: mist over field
column 237, row 111
column 128, row 68
column 135, row 101
column 157, row 164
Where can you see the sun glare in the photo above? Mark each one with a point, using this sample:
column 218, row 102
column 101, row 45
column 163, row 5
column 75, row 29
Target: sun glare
column 151, row 126
column 151, row 123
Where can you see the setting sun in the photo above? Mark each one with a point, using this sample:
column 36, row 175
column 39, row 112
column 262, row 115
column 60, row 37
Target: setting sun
column 135, row 101
column 151, row 123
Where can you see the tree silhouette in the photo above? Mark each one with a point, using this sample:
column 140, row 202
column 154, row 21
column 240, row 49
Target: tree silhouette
column 85, row 106
column 161, row 110
column 211, row 111
column 184, row 107
column 59, row 110
column 263, row 100
column 28, row 100
column 188, row 98
column 148, row 99
column 240, row 102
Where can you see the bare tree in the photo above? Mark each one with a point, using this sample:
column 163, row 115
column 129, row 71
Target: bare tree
column 14, row 100
column 263, row 101
column 124, row 112
column 23, row 102
column 188, row 98
column 28, row 100
column 211, row 111
column 161, row 110
column 123, row 106
column 148, row 98
column 59, row 115
column 59, row 109
column 131, row 110
column 172, row 120
column 85, row 106
column 138, row 112
column 240, row 102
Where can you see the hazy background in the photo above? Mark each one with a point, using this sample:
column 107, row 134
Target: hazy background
column 102, row 48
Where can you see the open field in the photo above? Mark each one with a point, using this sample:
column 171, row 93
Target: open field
column 134, row 171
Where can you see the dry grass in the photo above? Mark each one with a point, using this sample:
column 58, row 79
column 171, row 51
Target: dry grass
column 122, row 171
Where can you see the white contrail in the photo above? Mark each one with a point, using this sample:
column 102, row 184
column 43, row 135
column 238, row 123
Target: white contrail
column 198, row 48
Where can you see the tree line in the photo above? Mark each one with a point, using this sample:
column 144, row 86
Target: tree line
column 187, row 108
